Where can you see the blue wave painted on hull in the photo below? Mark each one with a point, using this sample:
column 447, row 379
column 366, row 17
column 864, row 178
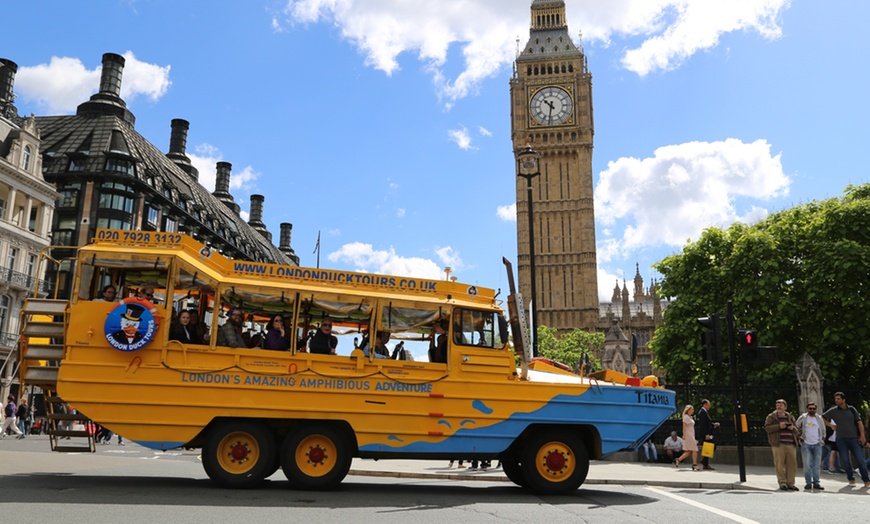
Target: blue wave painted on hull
column 621, row 415
column 480, row 406
column 159, row 444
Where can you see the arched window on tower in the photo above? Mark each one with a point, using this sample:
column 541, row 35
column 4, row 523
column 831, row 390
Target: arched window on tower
column 549, row 70
column 570, row 68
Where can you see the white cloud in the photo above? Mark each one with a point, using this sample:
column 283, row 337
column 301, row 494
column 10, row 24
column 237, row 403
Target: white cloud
column 461, row 138
column 698, row 26
column 682, row 189
column 507, row 213
column 670, row 31
column 484, row 131
column 61, row 85
column 400, row 213
column 205, row 158
column 450, row 257
column 365, row 258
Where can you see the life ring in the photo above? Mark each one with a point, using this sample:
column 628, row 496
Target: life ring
column 146, row 304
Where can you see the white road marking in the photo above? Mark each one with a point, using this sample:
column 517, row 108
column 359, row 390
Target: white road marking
column 720, row 512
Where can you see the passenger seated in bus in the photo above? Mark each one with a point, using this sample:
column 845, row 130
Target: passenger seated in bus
column 180, row 329
column 230, row 334
column 108, row 294
column 197, row 328
column 381, row 339
column 276, row 338
column 147, row 293
column 323, row 342
column 438, row 341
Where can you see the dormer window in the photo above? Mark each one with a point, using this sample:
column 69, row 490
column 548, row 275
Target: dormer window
column 26, row 157
column 121, row 165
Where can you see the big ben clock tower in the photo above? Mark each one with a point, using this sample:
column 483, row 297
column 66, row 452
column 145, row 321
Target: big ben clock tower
column 551, row 111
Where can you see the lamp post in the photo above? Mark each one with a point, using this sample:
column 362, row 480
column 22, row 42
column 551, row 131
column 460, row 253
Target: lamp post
column 528, row 167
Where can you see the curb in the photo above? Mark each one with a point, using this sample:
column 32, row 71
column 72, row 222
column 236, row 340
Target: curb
column 600, row 482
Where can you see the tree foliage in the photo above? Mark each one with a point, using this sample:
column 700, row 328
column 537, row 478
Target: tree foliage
column 570, row 347
column 801, row 277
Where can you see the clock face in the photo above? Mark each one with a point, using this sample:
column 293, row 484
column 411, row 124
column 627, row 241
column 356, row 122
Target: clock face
column 552, row 106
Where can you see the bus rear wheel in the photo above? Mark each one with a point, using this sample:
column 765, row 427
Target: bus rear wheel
column 554, row 463
column 239, row 454
column 316, row 457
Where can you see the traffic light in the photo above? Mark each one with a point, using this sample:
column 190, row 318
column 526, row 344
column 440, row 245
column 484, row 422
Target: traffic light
column 711, row 338
column 749, row 351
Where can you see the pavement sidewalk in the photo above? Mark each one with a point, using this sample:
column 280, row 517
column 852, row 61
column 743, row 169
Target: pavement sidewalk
column 725, row 476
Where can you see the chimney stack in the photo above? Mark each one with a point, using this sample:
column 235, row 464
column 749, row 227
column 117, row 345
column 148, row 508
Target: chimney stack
column 256, row 220
column 178, row 147
column 8, row 68
column 256, row 210
column 110, row 79
column 108, row 100
column 284, row 246
column 222, row 186
column 222, row 182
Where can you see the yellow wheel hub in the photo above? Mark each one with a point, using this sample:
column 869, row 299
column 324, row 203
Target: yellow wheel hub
column 315, row 455
column 238, row 452
column 555, row 461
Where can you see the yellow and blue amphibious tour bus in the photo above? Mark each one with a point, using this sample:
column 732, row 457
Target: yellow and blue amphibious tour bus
column 267, row 366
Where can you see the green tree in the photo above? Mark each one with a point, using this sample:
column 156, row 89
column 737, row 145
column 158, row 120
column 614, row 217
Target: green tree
column 569, row 348
column 800, row 277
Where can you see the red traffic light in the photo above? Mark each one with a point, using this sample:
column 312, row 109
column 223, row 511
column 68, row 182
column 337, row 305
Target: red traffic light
column 749, row 338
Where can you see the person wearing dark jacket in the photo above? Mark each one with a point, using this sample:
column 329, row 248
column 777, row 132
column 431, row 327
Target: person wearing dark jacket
column 323, row 342
column 181, row 329
column 704, row 430
column 276, row 337
column 438, row 342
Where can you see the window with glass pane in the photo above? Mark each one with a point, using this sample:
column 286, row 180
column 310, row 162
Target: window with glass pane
column 476, row 328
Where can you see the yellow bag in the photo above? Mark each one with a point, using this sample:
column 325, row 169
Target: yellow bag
column 707, row 449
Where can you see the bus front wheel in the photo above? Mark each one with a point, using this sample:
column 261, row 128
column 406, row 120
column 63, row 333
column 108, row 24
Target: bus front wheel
column 239, row 454
column 554, row 462
column 316, row 457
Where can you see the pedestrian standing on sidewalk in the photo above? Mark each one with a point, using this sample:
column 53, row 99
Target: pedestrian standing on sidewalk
column 811, row 428
column 23, row 414
column 782, row 437
column 704, row 430
column 11, row 412
column 690, row 445
column 850, row 437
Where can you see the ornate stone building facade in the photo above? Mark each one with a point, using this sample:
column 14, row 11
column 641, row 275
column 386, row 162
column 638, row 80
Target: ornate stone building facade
column 26, row 210
column 551, row 110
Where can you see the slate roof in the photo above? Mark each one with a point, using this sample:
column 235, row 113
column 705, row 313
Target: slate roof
column 93, row 138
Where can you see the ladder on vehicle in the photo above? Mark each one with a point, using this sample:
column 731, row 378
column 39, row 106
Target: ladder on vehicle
column 41, row 348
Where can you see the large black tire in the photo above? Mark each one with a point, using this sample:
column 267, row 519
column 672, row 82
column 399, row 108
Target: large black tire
column 316, row 457
column 514, row 471
column 239, row 453
column 554, row 463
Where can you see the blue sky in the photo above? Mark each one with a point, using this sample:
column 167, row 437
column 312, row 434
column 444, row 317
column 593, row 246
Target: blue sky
column 385, row 124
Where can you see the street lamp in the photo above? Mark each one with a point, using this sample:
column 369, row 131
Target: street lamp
column 528, row 167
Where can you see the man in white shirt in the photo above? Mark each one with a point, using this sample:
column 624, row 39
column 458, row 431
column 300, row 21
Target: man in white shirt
column 812, row 435
column 673, row 446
